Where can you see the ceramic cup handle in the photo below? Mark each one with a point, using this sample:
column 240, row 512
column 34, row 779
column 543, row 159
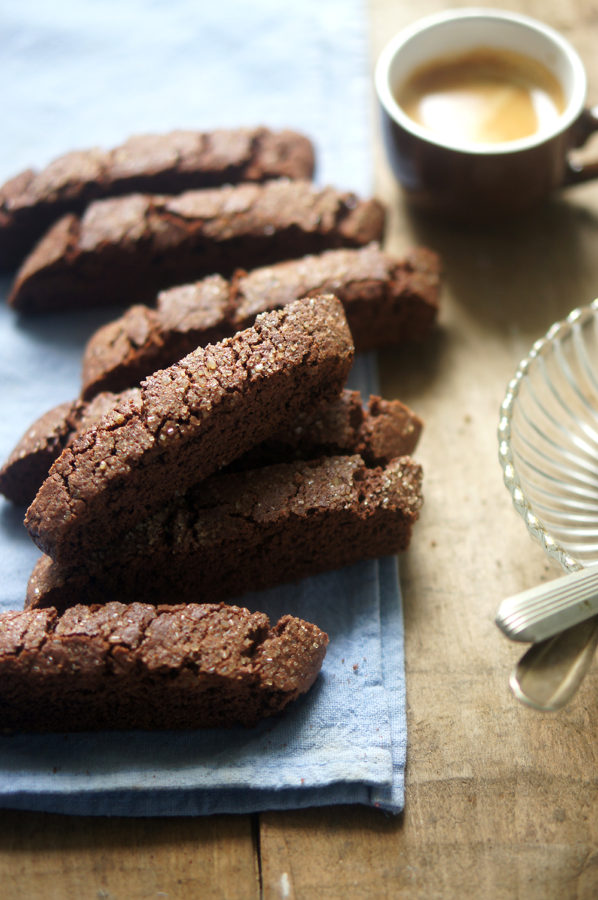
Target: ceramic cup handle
column 575, row 173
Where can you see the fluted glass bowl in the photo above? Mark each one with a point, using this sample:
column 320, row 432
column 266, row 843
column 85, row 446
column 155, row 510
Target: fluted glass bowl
column 548, row 439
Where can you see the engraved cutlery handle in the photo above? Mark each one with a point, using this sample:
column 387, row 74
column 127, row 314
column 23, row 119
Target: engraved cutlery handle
column 543, row 611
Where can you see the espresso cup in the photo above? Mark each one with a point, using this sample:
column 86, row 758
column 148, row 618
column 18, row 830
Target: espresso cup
column 472, row 178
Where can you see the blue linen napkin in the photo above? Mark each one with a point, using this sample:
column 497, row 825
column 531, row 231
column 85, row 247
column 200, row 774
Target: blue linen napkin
column 85, row 73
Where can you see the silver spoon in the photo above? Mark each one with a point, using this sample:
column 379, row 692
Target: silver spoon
column 550, row 673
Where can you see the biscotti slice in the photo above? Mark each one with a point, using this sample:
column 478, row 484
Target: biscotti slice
column 123, row 250
column 243, row 531
column 379, row 432
column 35, row 452
column 386, row 429
column 136, row 666
column 127, row 349
column 29, row 462
column 387, row 301
column 187, row 421
column 154, row 163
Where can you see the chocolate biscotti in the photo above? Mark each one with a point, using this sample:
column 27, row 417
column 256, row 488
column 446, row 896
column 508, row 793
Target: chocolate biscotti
column 243, row 531
column 189, row 420
column 123, row 250
column 384, row 430
column 29, row 462
column 136, row 666
column 34, row 453
column 152, row 163
column 379, row 432
column 387, row 301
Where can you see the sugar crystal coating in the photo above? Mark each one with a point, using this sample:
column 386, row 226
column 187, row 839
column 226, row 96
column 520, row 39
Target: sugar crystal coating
column 167, row 163
column 141, row 666
column 187, row 421
column 122, row 250
column 247, row 530
column 387, row 301
column 382, row 431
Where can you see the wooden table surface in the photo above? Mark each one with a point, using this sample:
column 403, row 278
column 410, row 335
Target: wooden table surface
column 501, row 802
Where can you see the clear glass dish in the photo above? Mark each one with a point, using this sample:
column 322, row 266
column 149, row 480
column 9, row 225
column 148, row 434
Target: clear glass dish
column 548, row 439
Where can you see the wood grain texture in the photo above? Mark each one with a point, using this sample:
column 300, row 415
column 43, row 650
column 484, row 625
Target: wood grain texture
column 501, row 801
column 49, row 857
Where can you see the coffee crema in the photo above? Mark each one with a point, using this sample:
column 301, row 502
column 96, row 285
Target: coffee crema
column 486, row 95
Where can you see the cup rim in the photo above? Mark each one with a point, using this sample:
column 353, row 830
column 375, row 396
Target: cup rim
column 572, row 111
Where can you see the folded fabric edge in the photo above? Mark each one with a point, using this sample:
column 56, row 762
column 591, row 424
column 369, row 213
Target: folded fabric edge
column 392, row 799
column 387, row 796
column 163, row 804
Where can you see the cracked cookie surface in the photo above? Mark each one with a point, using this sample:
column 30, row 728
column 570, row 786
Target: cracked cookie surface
column 187, row 421
column 141, row 666
column 248, row 530
column 387, row 301
column 123, row 250
column 157, row 163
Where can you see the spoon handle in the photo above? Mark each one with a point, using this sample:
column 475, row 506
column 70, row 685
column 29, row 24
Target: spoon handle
column 550, row 672
column 545, row 610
